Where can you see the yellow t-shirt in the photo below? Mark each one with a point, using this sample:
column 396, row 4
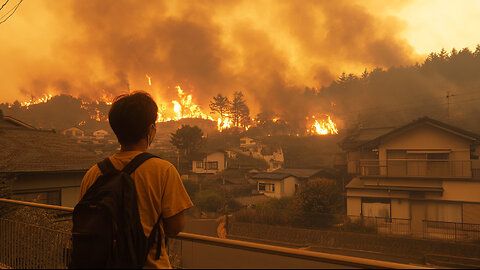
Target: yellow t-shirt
column 160, row 191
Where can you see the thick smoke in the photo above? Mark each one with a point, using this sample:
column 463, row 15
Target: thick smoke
column 270, row 50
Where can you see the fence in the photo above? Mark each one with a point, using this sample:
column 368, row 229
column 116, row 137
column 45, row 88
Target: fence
column 383, row 225
column 451, row 231
column 29, row 245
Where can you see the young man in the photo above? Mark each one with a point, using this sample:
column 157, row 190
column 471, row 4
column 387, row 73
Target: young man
column 159, row 187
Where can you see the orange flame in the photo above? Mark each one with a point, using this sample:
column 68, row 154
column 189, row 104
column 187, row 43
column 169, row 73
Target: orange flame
column 149, row 79
column 45, row 98
column 322, row 127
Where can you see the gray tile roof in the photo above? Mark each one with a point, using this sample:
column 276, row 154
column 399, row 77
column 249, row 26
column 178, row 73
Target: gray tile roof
column 24, row 149
column 271, row 176
column 300, row 173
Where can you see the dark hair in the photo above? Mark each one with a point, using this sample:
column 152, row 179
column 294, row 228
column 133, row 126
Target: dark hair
column 131, row 115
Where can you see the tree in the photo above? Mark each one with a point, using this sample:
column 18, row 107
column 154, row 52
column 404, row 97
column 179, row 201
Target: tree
column 187, row 140
column 239, row 110
column 318, row 201
column 220, row 105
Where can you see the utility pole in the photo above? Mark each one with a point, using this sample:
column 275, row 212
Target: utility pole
column 448, row 103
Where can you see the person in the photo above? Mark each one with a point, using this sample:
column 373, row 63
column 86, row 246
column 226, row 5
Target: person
column 160, row 190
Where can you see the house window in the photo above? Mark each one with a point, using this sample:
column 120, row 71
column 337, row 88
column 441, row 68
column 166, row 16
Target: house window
column 46, row 197
column 211, row 165
column 376, row 207
column 199, row 164
column 266, row 187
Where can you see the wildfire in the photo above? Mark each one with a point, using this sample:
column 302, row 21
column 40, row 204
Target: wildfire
column 182, row 108
column 45, row 98
column 323, row 126
column 149, row 79
column 226, row 123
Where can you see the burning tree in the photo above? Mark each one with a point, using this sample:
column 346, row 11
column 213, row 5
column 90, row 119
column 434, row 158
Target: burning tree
column 220, row 105
column 239, row 110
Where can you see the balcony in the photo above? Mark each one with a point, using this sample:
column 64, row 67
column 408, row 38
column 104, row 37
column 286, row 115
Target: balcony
column 418, row 168
column 28, row 245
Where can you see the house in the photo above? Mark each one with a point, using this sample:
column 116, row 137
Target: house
column 246, row 142
column 100, row 134
column 424, row 171
column 41, row 165
column 284, row 182
column 74, row 132
column 211, row 163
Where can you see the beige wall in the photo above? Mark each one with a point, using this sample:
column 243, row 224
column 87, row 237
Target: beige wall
column 67, row 183
column 400, row 208
column 427, row 137
column 219, row 157
column 283, row 188
column 456, row 190
column 354, row 206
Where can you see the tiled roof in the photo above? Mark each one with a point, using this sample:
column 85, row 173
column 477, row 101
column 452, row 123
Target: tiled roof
column 32, row 150
column 271, row 176
column 300, row 173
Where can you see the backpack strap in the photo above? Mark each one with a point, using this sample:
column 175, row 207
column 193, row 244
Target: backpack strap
column 106, row 166
column 156, row 234
column 137, row 161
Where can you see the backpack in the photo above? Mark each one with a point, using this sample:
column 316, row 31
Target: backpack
column 107, row 232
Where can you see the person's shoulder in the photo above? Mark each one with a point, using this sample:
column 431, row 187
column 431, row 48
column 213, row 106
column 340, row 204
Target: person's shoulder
column 157, row 163
column 93, row 171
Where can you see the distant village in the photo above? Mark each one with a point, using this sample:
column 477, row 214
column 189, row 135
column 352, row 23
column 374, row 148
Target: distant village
column 423, row 171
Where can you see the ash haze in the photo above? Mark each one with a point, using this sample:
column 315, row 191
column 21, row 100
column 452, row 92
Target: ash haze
column 270, row 50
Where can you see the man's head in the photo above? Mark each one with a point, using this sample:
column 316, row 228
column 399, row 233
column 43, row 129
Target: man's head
column 132, row 117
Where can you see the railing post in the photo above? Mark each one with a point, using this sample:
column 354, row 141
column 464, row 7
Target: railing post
column 455, row 231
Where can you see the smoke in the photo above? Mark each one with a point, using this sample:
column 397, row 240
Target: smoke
column 270, row 50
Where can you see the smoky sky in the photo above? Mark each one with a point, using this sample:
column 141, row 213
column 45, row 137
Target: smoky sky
column 270, row 50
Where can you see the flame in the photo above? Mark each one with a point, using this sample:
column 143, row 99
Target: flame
column 32, row 101
column 227, row 122
column 322, row 127
column 182, row 108
column 149, row 79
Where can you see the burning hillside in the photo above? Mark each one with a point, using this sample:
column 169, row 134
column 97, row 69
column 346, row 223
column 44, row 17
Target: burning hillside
column 64, row 111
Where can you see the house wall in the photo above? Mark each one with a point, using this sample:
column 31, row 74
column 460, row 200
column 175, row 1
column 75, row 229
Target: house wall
column 354, row 206
column 289, row 186
column 427, row 137
column 68, row 184
column 218, row 156
column 456, row 190
column 459, row 201
column 400, row 208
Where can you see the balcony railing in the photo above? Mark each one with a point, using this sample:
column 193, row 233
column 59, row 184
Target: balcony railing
column 418, row 168
column 26, row 245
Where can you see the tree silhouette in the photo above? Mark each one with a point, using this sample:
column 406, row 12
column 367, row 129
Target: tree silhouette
column 221, row 105
column 239, row 110
column 187, row 140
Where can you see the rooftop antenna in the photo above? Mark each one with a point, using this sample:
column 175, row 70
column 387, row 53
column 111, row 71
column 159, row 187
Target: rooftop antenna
column 448, row 103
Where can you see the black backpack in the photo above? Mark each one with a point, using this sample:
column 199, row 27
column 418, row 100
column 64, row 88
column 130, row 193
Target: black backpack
column 107, row 232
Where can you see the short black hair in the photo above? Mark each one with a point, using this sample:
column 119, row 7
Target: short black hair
column 131, row 115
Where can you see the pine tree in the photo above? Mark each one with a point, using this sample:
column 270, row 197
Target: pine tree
column 239, row 110
column 220, row 105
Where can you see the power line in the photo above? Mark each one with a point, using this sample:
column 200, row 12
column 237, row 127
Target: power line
column 12, row 11
column 4, row 4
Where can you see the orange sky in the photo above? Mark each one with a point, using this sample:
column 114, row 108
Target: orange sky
column 69, row 46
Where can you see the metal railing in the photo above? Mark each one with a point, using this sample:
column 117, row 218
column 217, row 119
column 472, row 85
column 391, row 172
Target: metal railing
column 417, row 168
column 453, row 231
column 384, row 225
column 25, row 245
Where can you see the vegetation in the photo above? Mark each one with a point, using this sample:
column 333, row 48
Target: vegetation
column 221, row 105
column 316, row 204
column 187, row 140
